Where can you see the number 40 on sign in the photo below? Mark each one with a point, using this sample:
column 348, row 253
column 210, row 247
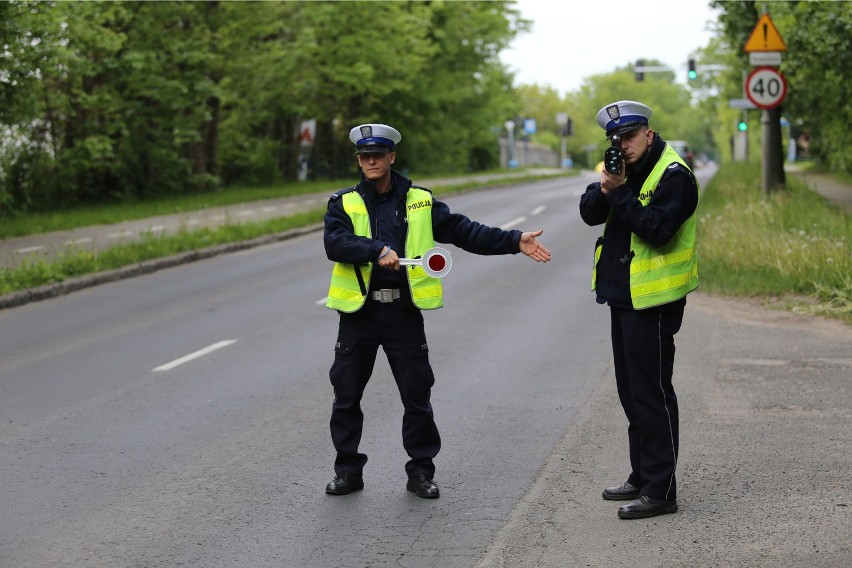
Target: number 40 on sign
column 766, row 87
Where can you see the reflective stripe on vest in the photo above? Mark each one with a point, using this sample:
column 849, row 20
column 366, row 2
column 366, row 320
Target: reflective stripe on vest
column 659, row 275
column 426, row 292
column 345, row 295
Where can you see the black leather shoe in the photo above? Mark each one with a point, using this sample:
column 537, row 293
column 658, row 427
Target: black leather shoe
column 423, row 486
column 624, row 492
column 344, row 483
column 645, row 507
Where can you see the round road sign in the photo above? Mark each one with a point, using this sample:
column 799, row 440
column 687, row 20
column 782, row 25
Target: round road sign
column 766, row 87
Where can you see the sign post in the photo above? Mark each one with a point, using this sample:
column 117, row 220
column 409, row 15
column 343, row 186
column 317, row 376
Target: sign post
column 766, row 87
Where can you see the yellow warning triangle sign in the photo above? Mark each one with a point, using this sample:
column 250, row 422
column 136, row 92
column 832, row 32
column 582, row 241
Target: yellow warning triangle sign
column 765, row 37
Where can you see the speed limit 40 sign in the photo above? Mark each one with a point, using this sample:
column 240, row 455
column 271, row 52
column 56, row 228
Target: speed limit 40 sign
column 766, row 87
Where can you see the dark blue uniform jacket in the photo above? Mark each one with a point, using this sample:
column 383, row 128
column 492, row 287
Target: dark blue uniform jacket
column 673, row 202
column 389, row 228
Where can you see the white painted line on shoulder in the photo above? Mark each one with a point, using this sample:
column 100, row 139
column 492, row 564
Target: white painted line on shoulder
column 537, row 210
column 196, row 355
column 28, row 250
column 513, row 223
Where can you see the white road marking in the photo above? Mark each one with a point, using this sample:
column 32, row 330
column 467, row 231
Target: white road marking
column 120, row 235
column 83, row 241
column 30, row 249
column 513, row 223
column 321, row 302
column 196, row 355
column 537, row 210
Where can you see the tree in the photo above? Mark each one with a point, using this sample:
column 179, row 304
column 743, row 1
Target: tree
column 818, row 94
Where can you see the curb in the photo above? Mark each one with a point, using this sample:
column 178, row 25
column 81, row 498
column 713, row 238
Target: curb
column 22, row 297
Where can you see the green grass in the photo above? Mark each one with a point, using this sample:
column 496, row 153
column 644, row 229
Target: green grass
column 35, row 223
column 39, row 272
column 791, row 244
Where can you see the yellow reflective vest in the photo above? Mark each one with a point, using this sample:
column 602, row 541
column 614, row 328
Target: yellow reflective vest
column 350, row 283
column 663, row 274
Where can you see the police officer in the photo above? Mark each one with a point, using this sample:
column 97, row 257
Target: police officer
column 645, row 265
column 368, row 228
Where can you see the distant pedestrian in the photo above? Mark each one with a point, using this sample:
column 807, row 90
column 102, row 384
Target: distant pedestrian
column 368, row 228
column 645, row 265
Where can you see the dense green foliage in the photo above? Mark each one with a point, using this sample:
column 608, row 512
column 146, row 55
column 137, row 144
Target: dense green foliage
column 124, row 101
column 792, row 242
column 816, row 65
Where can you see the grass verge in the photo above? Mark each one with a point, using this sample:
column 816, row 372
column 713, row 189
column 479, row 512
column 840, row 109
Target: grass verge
column 74, row 263
column 791, row 247
column 35, row 223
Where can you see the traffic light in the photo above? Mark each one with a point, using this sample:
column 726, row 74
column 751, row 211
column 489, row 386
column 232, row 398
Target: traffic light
column 639, row 73
column 692, row 73
column 742, row 126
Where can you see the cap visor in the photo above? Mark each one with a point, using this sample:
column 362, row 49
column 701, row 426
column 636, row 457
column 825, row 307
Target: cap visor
column 373, row 150
column 624, row 129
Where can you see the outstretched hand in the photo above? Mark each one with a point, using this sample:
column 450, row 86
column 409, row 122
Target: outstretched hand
column 532, row 248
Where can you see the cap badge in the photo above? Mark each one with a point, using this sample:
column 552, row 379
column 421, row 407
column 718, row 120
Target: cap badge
column 366, row 131
column 613, row 113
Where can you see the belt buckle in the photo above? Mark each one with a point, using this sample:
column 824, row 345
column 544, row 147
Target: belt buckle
column 386, row 295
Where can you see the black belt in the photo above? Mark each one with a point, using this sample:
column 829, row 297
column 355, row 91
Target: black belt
column 385, row 295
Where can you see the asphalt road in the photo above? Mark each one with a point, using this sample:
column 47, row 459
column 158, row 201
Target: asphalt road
column 181, row 417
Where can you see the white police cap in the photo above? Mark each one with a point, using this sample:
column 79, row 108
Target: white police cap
column 623, row 116
column 371, row 138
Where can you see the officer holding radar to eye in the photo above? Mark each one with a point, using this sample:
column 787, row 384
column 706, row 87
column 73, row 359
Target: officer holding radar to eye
column 368, row 228
column 645, row 265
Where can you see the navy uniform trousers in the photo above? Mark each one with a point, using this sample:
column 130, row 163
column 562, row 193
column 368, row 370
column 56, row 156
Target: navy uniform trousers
column 643, row 354
column 398, row 328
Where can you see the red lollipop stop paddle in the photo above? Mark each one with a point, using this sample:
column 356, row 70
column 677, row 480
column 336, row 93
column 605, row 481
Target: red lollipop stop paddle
column 436, row 262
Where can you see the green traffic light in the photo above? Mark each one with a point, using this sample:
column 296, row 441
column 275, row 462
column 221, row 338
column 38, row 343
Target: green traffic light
column 692, row 75
column 742, row 126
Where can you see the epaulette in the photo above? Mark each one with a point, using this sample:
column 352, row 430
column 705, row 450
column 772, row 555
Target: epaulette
column 678, row 167
column 336, row 195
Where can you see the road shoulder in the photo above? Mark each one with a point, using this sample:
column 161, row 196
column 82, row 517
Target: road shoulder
column 764, row 470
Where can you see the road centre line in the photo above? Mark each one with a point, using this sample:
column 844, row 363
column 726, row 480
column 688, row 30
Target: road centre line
column 83, row 241
column 537, row 210
column 200, row 353
column 27, row 250
column 512, row 223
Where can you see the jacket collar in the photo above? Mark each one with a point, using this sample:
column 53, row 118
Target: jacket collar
column 399, row 186
column 640, row 172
